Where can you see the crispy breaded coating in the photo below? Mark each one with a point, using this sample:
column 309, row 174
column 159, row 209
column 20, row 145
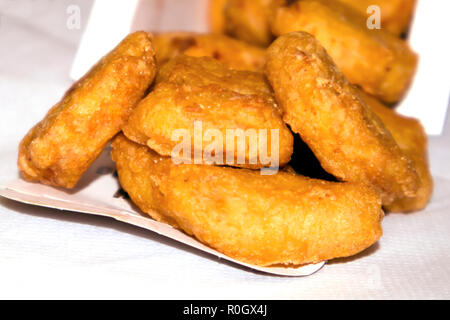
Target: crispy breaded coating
column 395, row 14
column 412, row 140
column 263, row 220
column 60, row 148
column 248, row 20
column 216, row 16
column 204, row 71
column 194, row 90
column 320, row 104
column 234, row 53
column 378, row 61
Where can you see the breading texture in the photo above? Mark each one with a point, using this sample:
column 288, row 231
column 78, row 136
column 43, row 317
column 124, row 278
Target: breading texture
column 60, row 148
column 378, row 61
column 216, row 16
column 395, row 14
column 263, row 220
column 234, row 53
column 412, row 140
column 248, row 20
column 202, row 90
column 204, row 71
column 319, row 104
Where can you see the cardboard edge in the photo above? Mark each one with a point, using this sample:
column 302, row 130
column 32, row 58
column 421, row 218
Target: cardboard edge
column 147, row 223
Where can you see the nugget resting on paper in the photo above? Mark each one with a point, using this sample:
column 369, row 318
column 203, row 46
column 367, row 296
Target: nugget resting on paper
column 60, row 148
column 248, row 20
column 263, row 220
column 378, row 61
column 412, row 140
column 395, row 14
column 234, row 53
column 202, row 95
column 320, row 104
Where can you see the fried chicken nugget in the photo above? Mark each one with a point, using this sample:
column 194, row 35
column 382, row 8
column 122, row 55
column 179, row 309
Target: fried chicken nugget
column 395, row 14
column 204, row 71
column 263, row 220
column 234, row 53
column 60, row 148
column 320, row 104
column 412, row 140
column 248, row 20
column 381, row 63
column 201, row 90
column 216, row 16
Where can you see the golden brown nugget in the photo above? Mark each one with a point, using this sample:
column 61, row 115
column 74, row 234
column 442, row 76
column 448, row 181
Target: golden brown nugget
column 320, row 104
column 378, row 61
column 217, row 17
column 248, row 20
column 204, row 71
column 234, row 53
column 263, row 220
column 60, row 148
column 395, row 14
column 193, row 92
column 412, row 140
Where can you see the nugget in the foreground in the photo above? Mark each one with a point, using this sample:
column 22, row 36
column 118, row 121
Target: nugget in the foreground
column 248, row 20
column 60, row 148
column 378, row 61
column 234, row 53
column 320, row 104
column 263, row 220
column 412, row 140
column 395, row 14
column 225, row 116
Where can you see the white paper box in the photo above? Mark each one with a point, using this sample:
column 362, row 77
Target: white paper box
column 428, row 97
column 112, row 20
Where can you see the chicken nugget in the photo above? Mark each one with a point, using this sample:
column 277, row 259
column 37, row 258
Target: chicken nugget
column 263, row 220
column 60, row 148
column 412, row 140
column 216, row 16
column 200, row 97
column 319, row 104
column 378, row 61
column 234, row 53
column 248, row 20
column 395, row 14
column 204, row 71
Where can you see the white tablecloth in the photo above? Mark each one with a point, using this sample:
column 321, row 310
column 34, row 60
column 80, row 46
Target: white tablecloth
column 47, row 253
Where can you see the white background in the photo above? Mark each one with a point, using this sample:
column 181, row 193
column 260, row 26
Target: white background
column 48, row 253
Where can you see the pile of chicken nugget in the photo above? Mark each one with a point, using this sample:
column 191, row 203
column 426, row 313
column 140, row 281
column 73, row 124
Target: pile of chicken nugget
column 311, row 69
